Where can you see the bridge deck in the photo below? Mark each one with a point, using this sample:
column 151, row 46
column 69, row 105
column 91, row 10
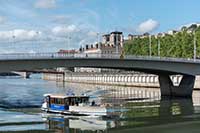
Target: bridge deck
column 18, row 56
column 32, row 61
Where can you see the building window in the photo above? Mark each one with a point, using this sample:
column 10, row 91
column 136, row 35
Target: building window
column 119, row 37
column 107, row 39
column 115, row 39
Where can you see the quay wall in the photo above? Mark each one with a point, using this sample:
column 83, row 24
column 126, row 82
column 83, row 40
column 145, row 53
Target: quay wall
column 137, row 80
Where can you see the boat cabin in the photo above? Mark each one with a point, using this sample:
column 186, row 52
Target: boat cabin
column 62, row 102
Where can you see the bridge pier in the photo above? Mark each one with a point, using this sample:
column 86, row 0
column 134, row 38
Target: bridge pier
column 184, row 89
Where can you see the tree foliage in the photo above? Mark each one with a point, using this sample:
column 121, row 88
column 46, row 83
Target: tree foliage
column 180, row 45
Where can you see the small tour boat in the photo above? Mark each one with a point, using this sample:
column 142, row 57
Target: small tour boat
column 72, row 105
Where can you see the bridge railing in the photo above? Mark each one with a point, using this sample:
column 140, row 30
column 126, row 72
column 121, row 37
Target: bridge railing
column 18, row 56
column 161, row 58
column 54, row 56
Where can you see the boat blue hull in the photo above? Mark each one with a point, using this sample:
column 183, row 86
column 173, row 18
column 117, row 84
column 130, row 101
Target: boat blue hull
column 59, row 107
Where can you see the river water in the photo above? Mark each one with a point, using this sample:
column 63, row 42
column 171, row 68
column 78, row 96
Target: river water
column 134, row 109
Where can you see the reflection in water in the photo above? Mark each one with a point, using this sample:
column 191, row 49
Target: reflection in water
column 171, row 107
column 133, row 109
column 77, row 124
column 164, row 115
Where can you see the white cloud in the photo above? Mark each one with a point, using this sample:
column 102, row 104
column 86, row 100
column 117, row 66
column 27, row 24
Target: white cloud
column 2, row 20
column 22, row 40
column 92, row 34
column 147, row 26
column 45, row 4
column 79, row 35
column 64, row 30
column 20, row 35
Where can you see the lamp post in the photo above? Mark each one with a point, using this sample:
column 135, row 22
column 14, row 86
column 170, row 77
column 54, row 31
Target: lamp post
column 13, row 40
column 158, row 47
column 98, row 40
column 68, row 41
column 149, row 45
column 38, row 40
column 195, row 47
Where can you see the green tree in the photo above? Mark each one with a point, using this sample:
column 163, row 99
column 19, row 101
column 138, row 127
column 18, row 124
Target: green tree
column 178, row 45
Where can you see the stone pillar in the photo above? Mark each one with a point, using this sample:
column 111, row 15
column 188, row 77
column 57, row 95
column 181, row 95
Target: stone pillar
column 184, row 89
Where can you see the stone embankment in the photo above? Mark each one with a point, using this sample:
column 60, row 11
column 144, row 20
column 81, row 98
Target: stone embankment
column 137, row 80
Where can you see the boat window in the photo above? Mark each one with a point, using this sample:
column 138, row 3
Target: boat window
column 66, row 101
column 52, row 100
column 84, row 100
column 78, row 100
column 62, row 101
column 57, row 101
column 72, row 101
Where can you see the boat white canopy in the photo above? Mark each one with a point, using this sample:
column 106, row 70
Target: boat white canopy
column 64, row 96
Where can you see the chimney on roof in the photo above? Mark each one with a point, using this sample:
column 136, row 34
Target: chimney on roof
column 86, row 47
column 97, row 46
column 80, row 49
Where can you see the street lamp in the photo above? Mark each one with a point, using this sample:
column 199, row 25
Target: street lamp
column 37, row 40
column 98, row 40
column 158, row 47
column 13, row 40
column 195, row 47
column 150, row 45
column 68, row 41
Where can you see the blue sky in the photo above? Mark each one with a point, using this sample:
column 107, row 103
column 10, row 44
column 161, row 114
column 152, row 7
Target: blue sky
column 50, row 25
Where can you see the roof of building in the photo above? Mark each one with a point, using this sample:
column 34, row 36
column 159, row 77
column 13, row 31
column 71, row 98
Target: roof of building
column 106, row 35
column 116, row 32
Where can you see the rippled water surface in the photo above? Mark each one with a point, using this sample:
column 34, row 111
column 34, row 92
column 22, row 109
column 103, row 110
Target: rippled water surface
column 135, row 109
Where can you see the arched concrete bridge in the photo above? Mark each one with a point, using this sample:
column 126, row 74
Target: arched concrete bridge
column 164, row 67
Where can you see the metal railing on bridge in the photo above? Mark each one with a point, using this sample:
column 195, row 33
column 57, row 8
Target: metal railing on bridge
column 22, row 56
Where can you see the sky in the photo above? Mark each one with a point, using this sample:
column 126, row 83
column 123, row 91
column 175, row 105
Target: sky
column 50, row 25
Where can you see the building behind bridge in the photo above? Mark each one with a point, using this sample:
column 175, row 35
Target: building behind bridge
column 111, row 44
